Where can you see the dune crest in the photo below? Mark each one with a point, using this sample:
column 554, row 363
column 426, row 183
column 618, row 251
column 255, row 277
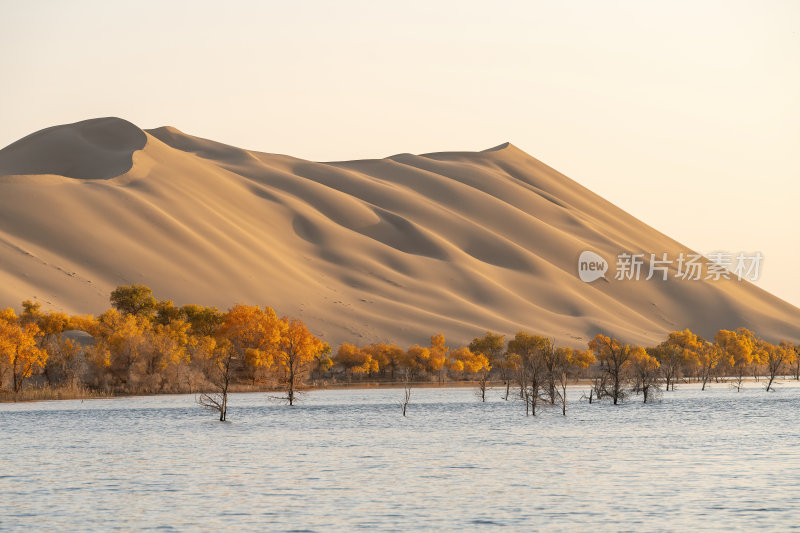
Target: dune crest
column 390, row 249
column 100, row 148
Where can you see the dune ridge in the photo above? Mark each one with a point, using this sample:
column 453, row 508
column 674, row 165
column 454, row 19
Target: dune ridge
column 390, row 249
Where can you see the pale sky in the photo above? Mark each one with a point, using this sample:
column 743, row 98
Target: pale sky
column 684, row 113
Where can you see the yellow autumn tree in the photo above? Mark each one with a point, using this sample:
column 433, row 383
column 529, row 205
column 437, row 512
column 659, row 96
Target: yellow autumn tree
column 247, row 337
column 133, row 300
column 62, row 354
column 614, row 359
column 120, row 342
column 465, row 360
column 167, row 354
column 567, row 363
column 355, row 360
column 775, row 357
column 678, row 353
column 298, row 347
column 388, row 356
column 221, row 359
column 204, row 344
column 201, row 352
column 415, row 360
column 439, row 352
column 254, row 335
column 739, row 351
column 645, row 372
column 531, row 372
column 473, row 364
column 19, row 348
column 709, row 355
column 492, row 345
column 85, row 323
column 205, row 321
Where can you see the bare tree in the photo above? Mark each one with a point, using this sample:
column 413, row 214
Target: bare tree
column 738, row 382
column 407, row 393
column 483, row 379
column 552, row 361
column 562, row 393
column 505, row 375
column 221, row 379
column 598, row 388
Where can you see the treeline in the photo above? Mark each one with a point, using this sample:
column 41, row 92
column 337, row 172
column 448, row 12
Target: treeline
column 145, row 345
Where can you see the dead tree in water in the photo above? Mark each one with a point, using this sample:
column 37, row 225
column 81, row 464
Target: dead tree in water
column 407, row 393
column 218, row 400
column 598, row 388
column 482, row 381
column 562, row 393
column 554, row 361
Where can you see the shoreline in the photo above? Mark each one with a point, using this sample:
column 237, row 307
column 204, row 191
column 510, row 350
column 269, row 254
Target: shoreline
column 47, row 395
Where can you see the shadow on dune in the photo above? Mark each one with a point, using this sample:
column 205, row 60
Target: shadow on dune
column 100, row 148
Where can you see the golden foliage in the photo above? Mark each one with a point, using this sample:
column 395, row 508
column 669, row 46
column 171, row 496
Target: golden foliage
column 19, row 347
column 149, row 345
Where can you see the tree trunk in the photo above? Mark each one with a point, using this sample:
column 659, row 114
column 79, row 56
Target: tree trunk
column 17, row 375
column 291, row 384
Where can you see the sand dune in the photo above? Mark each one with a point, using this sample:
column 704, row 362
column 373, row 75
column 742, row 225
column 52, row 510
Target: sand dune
column 385, row 249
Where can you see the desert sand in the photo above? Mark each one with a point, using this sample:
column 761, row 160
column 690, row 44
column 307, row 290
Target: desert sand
column 391, row 249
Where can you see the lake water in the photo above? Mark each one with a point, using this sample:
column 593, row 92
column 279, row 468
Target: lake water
column 347, row 460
